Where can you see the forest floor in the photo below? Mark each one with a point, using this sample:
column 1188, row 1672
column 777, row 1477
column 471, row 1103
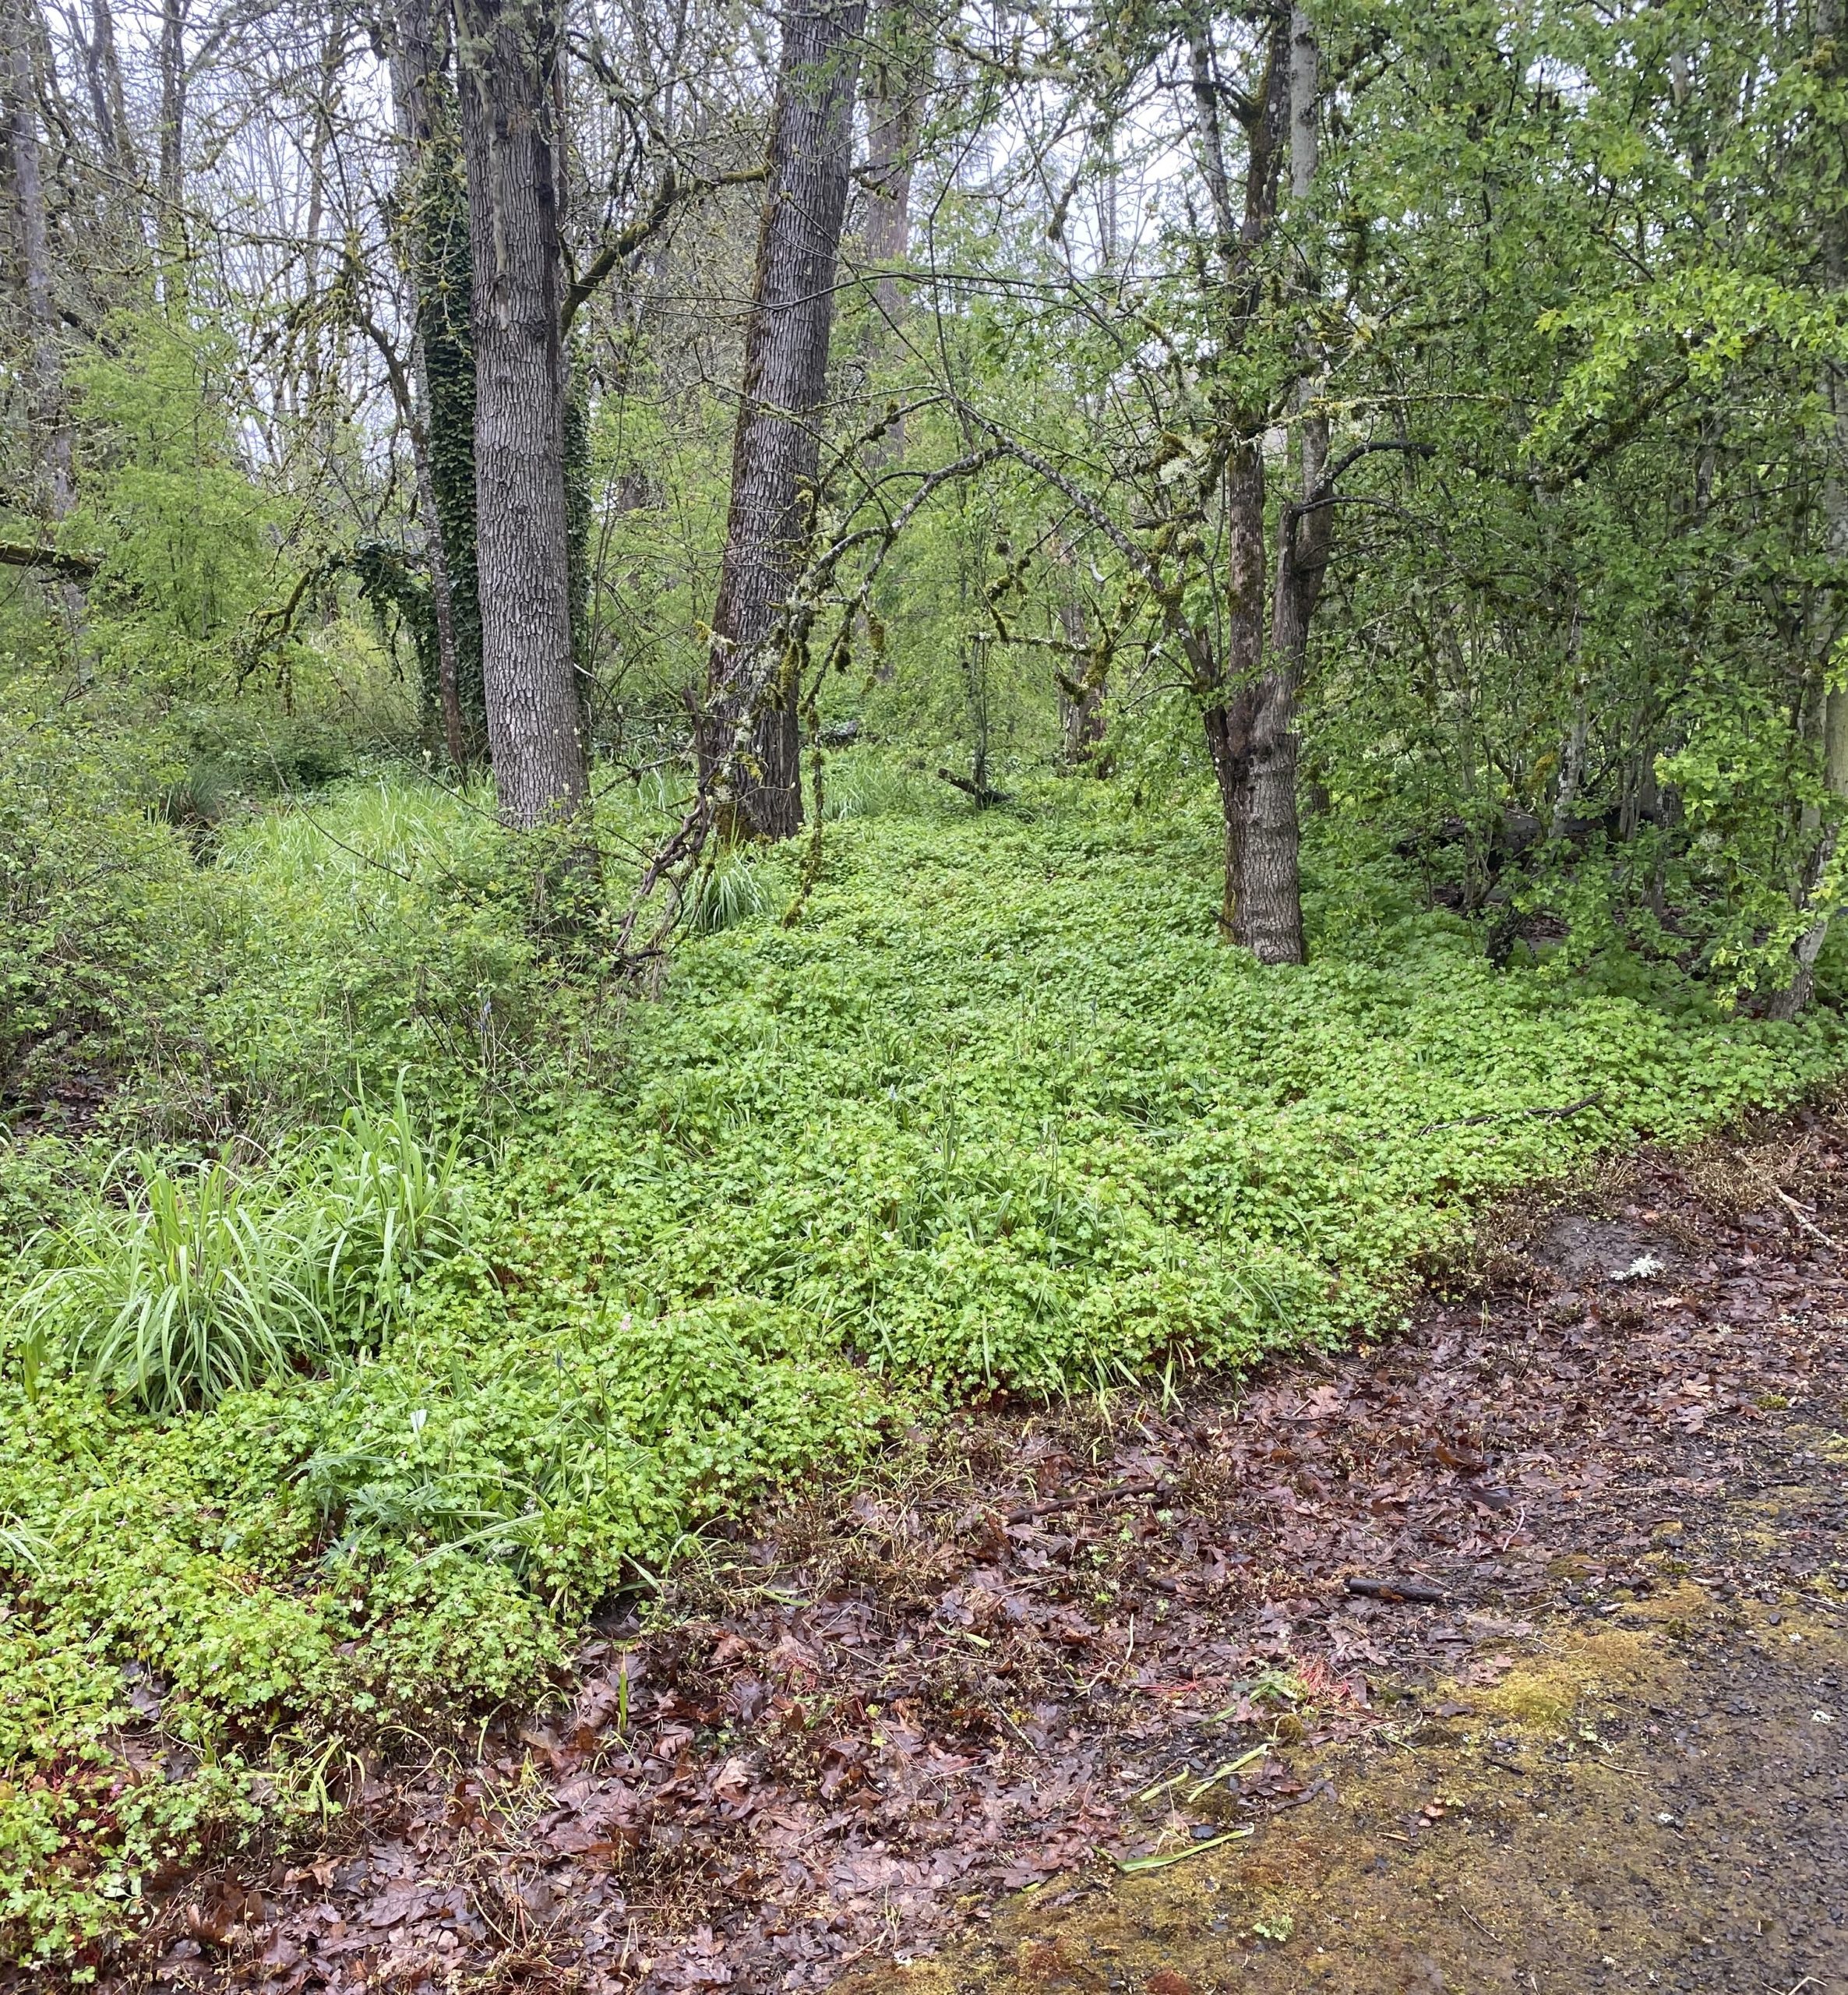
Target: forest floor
column 907, row 1735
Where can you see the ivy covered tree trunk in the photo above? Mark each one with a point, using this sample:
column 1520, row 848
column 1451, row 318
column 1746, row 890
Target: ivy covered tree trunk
column 445, row 344
column 440, row 694
column 508, row 54
column 434, row 219
column 752, row 683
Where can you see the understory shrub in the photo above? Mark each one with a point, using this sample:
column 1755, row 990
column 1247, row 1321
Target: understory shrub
column 90, row 891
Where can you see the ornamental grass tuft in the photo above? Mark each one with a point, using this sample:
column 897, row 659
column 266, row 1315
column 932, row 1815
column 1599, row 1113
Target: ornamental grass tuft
column 177, row 1285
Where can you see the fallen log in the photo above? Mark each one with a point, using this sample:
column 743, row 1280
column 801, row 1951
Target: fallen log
column 985, row 798
column 1415, row 1591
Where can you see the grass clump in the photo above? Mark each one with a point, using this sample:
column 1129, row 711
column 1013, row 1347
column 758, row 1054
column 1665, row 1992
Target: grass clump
column 200, row 1282
column 727, row 889
column 174, row 1301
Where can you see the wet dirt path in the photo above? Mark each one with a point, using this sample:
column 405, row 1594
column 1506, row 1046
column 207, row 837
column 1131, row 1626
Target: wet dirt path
column 1492, row 1623
column 1655, row 1798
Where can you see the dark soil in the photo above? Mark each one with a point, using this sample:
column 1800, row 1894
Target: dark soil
column 1653, row 1797
column 848, row 1735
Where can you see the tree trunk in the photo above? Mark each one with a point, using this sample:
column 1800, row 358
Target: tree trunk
column 1793, row 1000
column 446, row 347
column 102, row 72
column 316, row 419
column 1226, row 685
column 1572, row 762
column 1265, row 835
column 169, row 232
column 433, row 229
column 509, row 53
column 19, row 96
column 1081, row 685
column 1229, row 708
column 51, row 424
column 894, row 104
column 579, row 511
column 750, row 733
column 442, row 601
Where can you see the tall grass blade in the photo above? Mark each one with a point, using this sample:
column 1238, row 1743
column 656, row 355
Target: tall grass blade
column 205, row 1282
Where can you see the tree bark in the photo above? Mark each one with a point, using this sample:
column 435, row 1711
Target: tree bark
column 443, row 600
column 169, row 232
column 1571, row 761
column 509, row 54
column 892, row 130
column 1081, row 686
column 894, row 96
column 54, row 561
column 19, row 96
column 445, row 351
column 1264, row 833
column 306, row 382
column 1230, row 706
column 51, row 422
column 1226, row 685
column 102, row 72
column 1793, row 1000
column 434, row 258
column 749, row 737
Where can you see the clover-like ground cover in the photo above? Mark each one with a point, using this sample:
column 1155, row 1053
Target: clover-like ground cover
column 997, row 1109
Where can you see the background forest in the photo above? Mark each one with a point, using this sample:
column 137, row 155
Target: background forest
column 716, row 723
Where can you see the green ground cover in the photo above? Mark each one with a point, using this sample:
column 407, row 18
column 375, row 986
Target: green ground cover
column 997, row 1109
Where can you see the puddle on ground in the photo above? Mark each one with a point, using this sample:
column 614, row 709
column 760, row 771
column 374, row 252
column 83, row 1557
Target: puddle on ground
column 1659, row 1801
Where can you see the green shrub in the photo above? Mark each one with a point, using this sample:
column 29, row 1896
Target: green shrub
column 91, row 884
column 45, row 1182
column 377, row 931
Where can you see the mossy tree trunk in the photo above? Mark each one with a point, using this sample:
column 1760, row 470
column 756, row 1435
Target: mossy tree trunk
column 1267, row 915
column 1249, row 696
